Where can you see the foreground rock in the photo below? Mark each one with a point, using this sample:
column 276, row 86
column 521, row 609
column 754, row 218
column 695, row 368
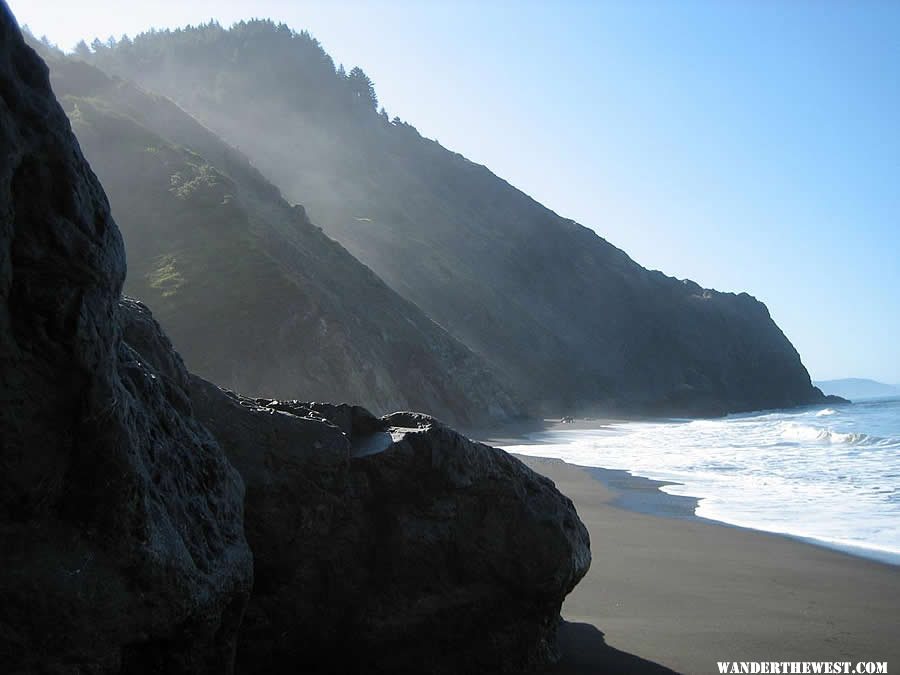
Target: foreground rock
column 392, row 545
column 381, row 545
column 121, row 532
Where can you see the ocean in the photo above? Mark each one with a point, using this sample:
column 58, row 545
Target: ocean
column 830, row 475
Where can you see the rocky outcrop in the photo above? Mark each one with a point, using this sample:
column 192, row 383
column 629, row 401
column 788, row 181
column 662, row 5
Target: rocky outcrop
column 392, row 545
column 380, row 545
column 121, row 532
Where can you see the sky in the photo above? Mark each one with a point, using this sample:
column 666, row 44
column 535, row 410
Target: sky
column 749, row 145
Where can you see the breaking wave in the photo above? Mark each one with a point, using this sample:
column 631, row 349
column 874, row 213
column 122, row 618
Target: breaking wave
column 832, row 475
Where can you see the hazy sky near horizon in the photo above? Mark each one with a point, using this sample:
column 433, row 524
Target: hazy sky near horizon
column 750, row 145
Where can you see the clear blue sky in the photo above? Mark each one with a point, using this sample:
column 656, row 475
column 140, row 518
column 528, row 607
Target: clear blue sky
column 746, row 144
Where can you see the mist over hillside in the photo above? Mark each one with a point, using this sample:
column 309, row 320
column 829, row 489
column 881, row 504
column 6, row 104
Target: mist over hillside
column 570, row 321
column 256, row 297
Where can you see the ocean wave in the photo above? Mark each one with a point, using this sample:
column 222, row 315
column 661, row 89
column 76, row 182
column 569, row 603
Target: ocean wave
column 802, row 432
column 826, row 413
column 832, row 478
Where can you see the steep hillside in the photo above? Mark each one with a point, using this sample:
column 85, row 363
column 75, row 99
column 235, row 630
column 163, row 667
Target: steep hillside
column 256, row 297
column 569, row 319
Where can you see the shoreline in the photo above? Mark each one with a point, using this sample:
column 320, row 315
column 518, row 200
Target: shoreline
column 671, row 590
column 518, row 432
column 642, row 494
column 639, row 494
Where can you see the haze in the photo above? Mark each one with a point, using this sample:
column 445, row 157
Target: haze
column 746, row 146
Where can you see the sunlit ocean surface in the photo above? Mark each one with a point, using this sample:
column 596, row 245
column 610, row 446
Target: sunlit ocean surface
column 828, row 474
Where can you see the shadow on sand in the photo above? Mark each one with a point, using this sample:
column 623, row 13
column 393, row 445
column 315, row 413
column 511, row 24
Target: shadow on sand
column 585, row 652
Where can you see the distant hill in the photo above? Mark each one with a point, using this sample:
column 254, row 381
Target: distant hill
column 856, row 388
column 254, row 295
column 568, row 320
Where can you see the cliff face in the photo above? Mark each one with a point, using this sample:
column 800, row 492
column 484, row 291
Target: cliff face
column 389, row 545
column 569, row 319
column 257, row 298
column 121, row 518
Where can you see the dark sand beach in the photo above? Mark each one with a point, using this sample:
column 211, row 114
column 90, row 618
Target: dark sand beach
column 679, row 593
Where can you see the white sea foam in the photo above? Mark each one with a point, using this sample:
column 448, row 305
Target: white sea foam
column 831, row 478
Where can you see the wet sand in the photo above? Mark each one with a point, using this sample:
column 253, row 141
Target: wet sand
column 678, row 592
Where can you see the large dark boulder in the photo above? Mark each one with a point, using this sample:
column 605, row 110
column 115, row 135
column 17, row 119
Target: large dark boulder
column 121, row 534
column 392, row 545
column 474, row 551
column 380, row 545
